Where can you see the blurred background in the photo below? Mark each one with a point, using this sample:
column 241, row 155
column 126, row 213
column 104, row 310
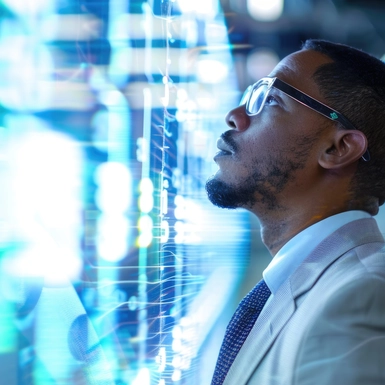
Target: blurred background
column 114, row 267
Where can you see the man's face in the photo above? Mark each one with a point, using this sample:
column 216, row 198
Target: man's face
column 269, row 159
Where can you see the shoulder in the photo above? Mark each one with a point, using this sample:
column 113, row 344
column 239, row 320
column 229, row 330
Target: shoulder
column 362, row 296
column 344, row 341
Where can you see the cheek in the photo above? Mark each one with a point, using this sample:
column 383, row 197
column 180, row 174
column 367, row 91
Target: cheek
column 269, row 143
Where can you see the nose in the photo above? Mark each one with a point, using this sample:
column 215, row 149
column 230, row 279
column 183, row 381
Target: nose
column 237, row 118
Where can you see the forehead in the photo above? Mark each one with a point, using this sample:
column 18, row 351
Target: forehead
column 298, row 68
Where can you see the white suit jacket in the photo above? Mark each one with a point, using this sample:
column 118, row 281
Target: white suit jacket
column 326, row 323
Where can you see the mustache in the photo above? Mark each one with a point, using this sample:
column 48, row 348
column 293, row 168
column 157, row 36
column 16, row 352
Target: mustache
column 227, row 137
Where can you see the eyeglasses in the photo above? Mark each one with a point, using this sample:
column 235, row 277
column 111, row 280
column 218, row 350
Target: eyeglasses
column 255, row 97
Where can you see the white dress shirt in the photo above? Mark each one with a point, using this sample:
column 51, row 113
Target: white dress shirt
column 293, row 253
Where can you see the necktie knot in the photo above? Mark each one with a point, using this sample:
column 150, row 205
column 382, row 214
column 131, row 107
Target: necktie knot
column 257, row 297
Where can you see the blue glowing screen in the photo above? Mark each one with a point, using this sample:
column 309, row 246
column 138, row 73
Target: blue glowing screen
column 114, row 267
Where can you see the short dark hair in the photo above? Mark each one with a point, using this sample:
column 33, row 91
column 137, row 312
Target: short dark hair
column 354, row 84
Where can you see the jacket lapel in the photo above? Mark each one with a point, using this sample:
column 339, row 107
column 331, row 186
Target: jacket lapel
column 282, row 305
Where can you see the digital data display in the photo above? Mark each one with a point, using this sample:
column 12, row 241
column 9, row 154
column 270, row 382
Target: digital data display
column 115, row 268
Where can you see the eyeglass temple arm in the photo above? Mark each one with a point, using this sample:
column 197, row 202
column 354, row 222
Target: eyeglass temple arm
column 318, row 107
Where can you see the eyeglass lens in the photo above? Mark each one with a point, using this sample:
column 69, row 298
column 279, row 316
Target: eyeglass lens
column 257, row 99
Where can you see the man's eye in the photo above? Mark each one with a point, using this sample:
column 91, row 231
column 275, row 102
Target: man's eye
column 271, row 100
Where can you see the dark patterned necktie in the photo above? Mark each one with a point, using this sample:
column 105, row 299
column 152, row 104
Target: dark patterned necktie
column 239, row 328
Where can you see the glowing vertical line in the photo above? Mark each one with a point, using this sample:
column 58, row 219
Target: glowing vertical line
column 117, row 10
column 147, row 97
column 118, row 144
column 148, row 41
column 142, row 284
column 168, row 60
column 118, row 109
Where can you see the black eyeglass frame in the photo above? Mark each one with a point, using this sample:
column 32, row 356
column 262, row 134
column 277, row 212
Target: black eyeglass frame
column 300, row 97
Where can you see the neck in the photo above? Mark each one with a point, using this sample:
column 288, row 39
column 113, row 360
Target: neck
column 279, row 227
column 275, row 234
column 295, row 212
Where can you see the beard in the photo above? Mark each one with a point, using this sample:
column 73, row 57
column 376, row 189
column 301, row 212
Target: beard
column 262, row 185
column 258, row 187
column 224, row 195
column 220, row 194
column 245, row 195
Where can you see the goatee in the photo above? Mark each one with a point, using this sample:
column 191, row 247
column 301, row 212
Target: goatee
column 228, row 197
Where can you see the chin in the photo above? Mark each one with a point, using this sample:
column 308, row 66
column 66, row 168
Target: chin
column 222, row 194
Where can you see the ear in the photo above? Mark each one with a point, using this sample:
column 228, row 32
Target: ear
column 347, row 147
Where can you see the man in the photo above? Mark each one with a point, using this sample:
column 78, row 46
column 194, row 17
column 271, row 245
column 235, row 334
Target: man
column 306, row 154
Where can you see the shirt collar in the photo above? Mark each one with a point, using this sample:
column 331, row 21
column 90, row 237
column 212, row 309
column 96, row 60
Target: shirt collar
column 293, row 253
